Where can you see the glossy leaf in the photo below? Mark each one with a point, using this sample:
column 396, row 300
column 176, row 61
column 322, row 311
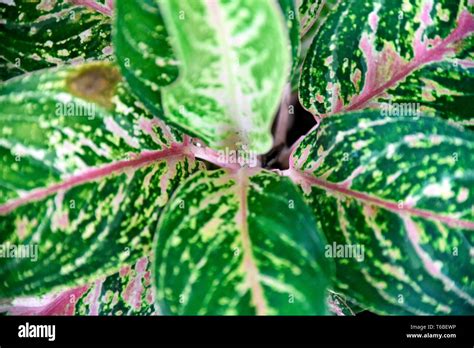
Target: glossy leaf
column 85, row 172
column 39, row 34
column 372, row 53
column 401, row 189
column 232, row 70
column 239, row 243
column 142, row 47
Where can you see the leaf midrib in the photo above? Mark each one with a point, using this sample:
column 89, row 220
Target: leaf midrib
column 252, row 274
column 429, row 56
column 307, row 178
column 231, row 82
column 144, row 158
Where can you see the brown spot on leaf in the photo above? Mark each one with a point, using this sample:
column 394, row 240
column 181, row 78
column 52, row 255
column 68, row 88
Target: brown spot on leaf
column 95, row 83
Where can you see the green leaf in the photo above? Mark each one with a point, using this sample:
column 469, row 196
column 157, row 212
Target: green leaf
column 39, row 34
column 127, row 292
column 239, row 242
column 309, row 12
column 234, row 63
column 370, row 54
column 293, row 26
column 312, row 13
column 85, row 173
column 401, row 189
column 338, row 305
column 142, row 48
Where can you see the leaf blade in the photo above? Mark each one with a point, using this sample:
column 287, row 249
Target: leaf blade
column 143, row 50
column 229, row 263
column 403, row 215
column 36, row 35
column 93, row 207
column 232, row 71
column 386, row 58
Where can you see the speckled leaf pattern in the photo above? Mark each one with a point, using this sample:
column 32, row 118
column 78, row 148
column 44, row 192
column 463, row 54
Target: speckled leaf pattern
column 143, row 50
column 308, row 10
column 85, row 173
column 127, row 292
column 234, row 62
column 405, row 52
column 239, row 243
column 402, row 189
column 312, row 13
column 38, row 34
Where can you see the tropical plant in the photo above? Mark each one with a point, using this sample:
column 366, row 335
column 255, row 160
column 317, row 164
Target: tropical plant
column 141, row 174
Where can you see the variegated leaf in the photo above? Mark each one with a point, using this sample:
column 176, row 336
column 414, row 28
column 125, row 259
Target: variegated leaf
column 127, row 292
column 38, row 34
column 85, row 172
column 309, row 12
column 400, row 190
column 415, row 53
column 241, row 242
column 62, row 303
column 234, row 62
column 312, row 13
column 338, row 305
column 142, row 48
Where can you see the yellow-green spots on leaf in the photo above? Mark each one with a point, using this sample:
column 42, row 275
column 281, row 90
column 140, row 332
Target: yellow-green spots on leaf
column 227, row 240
